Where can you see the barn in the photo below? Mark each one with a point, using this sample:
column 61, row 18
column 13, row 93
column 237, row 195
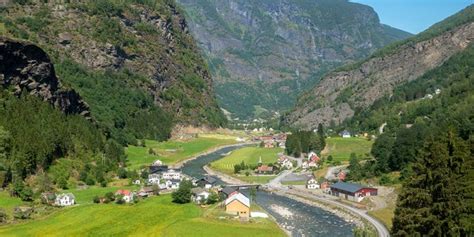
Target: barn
column 351, row 191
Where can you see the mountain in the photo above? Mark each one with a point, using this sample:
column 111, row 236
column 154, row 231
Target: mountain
column 133, row 62
column 262, row 54
column 354, row 88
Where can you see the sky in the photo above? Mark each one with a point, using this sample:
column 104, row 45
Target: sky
column 414, row 16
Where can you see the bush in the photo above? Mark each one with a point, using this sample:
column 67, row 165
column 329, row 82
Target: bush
column 109, row 197
column 3, row 216
column 96, row 199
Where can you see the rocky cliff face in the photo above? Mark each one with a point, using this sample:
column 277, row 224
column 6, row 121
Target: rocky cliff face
column 263, row 53
column 26, row 67
column 146, row 39
column 342, row 92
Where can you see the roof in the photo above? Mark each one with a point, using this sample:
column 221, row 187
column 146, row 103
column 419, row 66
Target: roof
column 228, row 190
column 265, row 168
column 209, row 179
column 70, row 195
column 123, row 192
column 238, row 197
column 349, row 187
column 345, row 132
column 198, row 190
column 146, row 189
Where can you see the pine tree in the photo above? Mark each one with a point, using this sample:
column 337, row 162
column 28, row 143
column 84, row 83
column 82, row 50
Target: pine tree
column 431, row 202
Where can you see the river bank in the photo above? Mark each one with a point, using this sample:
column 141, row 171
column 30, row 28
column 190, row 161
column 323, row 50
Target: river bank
column 180, row 164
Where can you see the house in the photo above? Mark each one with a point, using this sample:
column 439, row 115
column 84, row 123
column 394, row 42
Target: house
column 157, row 169
column 157, row 163
column 341, row 175
column 206, row 182
column 200, row 195
column 154, row 179
column 136, row 182
column 65, row 199
column 172, row 184
column 227, row 191
column 269, row 144
column 264, row 169
column 48, row 198
column 285, row 162
column 172, row 174
column 238, row 204
column 312, row 183
column 352, row 191
column 345, row 134
column 325, row 186
column 313, row 157
column 145, row 192
column 127, row 195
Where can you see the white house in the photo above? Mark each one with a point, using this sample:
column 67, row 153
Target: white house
column 127, row 195
column 136, row 182
column 172, row 174
column 345, row 134
column 157, row 163
column 200, row 195
column 65, row 199
column 154, row 179
column 285, row 162
column 172, row 183
column 312, row 183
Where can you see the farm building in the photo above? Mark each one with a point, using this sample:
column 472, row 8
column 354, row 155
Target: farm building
column 206, row 182
column 352, row 191
column 238, row 204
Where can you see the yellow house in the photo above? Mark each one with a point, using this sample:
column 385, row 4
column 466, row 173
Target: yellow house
column 238, row 204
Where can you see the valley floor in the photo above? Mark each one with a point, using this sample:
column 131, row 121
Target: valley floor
column 156, row 216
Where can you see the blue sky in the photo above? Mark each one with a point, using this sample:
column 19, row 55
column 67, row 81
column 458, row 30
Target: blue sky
column 414, row 16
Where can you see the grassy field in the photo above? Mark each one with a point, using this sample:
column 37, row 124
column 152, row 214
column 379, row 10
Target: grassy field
column 153, row 217
column 249, row 155
column 299, row 182
column 341, row 148
column 171, row 152
column 385, row 215
column 256, row 179
column 8, row 203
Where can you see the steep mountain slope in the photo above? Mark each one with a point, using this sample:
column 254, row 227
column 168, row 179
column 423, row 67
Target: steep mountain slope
column 263, row 53
column 357, row 86
column 133, row 62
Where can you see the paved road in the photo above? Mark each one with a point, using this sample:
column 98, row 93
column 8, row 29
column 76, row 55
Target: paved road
column 276, row 182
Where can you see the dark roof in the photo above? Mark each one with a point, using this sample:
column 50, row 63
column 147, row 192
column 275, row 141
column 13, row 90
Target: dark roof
column 210, row 179
column 349, row 187
column 228, row 190
column 156, row 169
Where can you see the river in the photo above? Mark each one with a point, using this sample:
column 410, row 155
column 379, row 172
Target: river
column 298, row 218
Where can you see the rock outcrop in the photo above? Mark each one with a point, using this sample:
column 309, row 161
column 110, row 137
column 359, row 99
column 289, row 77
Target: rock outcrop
column 26, row 67
column 342, row 92
column 264, row 53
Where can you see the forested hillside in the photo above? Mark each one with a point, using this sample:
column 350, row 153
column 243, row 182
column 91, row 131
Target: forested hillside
column 79, row 80
column 263, row 53
column 429, row 138
column 355, row 87
column 132, row 61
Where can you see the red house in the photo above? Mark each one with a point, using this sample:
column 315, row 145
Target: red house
column 341, row 175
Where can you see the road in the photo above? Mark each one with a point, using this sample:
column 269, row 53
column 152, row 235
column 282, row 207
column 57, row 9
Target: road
column 276, row 184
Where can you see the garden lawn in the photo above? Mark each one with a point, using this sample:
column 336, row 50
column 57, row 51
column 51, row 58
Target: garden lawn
column 249, row 155
column 341, row 148
column 259, row 179
column 171, row 152
column 156, row 216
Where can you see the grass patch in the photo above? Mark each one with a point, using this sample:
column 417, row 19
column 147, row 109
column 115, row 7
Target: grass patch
column 156, row 216
column 256, row 179
column 341, row 148
column 249, row 155
column 86, row 195
column 8, row 203
column 385, row 215
column 2, row 29
column 171, row 152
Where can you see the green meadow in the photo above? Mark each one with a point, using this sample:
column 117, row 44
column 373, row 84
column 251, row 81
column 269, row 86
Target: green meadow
column 171, row 152
column 249, row 155
column 341, row 148
column 156, row 216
